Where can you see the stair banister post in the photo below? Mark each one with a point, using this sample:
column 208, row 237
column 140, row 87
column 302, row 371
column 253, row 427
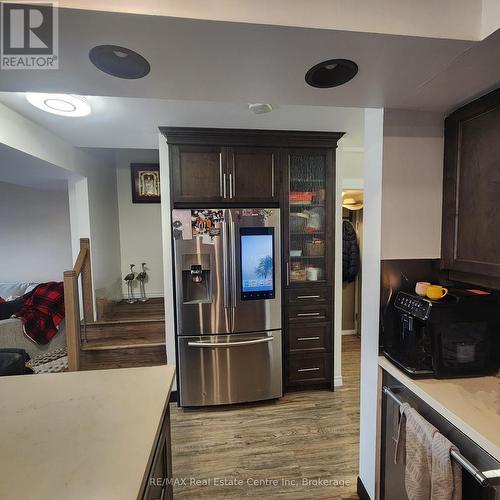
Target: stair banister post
column 72, row 314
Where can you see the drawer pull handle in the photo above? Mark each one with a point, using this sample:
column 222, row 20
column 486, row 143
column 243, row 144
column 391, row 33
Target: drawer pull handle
column 309, row 314
column 316, row 369
column 300, row 339
column 308, row 296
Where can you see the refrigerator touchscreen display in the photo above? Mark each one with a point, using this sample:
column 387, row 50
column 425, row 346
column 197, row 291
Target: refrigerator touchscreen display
column 257, row 263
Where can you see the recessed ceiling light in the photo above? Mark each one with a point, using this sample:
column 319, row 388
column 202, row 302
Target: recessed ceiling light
column 119, row 61
column 331, row 73
column 60, row 104
column 260, row 108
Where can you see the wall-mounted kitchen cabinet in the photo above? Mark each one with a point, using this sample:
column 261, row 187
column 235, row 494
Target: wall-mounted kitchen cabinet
column 471, row 209
column 253, row 175
column 198, row 173
column 219, row 173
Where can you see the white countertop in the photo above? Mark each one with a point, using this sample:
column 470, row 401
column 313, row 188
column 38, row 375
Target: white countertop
column 470, row 404
column 80, row 435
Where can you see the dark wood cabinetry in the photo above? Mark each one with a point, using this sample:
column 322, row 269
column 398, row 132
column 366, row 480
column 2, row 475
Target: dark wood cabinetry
column 198, row 174
column 223, row 167
column 294, row 171
column 308, row 242
column 158, row 485
column 254, row 175
column 471, row 207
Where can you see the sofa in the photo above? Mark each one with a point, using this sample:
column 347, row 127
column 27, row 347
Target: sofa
column 11, row 330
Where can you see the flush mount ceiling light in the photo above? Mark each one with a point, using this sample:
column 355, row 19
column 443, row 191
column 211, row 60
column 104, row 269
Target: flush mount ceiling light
column 119, row 61
column 331, row 73
column 260, row 108
column 60, row 104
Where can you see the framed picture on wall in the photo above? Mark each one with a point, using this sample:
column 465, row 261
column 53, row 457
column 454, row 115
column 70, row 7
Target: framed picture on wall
column 145, row 182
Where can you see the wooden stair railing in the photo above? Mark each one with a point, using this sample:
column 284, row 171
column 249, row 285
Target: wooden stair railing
column 72, row 302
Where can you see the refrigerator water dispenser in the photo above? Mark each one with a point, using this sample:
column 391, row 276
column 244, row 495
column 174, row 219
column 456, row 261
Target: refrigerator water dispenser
column 196, row 279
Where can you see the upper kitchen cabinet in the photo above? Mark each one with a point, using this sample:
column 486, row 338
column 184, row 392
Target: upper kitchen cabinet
column 221, row 167
column 254, row 175
column 198, row 174
column 233, row 167
column 471, row 209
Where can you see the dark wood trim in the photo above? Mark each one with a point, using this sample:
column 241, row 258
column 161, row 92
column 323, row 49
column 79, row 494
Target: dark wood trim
column 245, row 137
column 174, row 397
column 361, row 490
column 477, row 107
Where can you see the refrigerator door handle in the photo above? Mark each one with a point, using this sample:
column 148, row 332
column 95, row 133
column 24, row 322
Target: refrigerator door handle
column 231, row 344
column 225, row 266
column 233, row 261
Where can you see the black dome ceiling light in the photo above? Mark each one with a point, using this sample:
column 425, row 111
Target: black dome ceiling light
column 119, row 61
column 331, row 73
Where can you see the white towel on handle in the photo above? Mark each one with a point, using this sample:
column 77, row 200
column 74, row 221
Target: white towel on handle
column 429, row 474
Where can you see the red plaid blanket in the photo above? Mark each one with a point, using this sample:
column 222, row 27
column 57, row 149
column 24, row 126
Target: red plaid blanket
column 42, row 311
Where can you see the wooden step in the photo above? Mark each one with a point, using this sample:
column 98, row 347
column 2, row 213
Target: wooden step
column 105, row 354
column 145, row 330
column 152, row 309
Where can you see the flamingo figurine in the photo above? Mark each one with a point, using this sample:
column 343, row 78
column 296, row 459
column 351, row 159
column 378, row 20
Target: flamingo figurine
column 141, row 278
column 129, row 279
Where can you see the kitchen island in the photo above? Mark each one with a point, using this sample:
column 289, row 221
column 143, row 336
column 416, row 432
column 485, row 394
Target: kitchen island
column 85, row 435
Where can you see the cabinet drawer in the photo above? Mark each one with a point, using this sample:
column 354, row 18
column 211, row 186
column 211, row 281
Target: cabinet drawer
column 308, row 369
column 308, row 296
column 308, row 314
column 309, row 338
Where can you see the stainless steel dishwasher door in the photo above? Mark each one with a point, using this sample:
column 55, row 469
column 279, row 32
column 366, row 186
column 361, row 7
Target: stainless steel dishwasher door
column 225, row 369
column 393, row 475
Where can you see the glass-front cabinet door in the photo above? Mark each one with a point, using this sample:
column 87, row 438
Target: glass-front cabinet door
column 310, row 214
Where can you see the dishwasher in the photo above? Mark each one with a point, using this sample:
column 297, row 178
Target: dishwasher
column 480, row 471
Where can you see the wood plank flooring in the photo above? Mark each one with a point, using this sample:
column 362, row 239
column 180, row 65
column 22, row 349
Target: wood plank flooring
column 304, row 436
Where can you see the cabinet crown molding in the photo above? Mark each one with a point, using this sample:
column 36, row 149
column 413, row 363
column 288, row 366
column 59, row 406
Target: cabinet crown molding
column 250, row 137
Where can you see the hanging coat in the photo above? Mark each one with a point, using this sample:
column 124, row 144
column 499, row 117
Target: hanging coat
column 350, row 252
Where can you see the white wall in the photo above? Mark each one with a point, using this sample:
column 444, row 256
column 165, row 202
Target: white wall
column 101, row 210
column 490, row 20
column 166, row 229
column 140, row 223
column 35, row 241
column 412, row 185
column 370, row 297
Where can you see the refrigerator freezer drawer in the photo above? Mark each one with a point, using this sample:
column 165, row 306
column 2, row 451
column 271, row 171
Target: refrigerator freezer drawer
column 224, row 369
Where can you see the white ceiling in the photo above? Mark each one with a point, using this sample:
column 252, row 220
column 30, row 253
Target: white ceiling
column 117, row 122
column 238, row 62
column 464, row 18
column 204, row 73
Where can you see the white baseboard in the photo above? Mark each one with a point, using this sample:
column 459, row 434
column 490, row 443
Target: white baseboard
column 349, row 332
column 338, row 381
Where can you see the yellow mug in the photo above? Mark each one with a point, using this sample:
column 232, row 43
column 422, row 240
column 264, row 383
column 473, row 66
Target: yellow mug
column 436, row 292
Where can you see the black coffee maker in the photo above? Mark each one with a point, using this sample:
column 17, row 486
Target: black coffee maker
column 452, row 337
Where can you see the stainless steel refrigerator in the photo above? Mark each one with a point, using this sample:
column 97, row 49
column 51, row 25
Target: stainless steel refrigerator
column 228, row 305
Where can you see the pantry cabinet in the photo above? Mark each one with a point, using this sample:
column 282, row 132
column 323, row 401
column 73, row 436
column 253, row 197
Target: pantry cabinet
column 308, row 234
column 471, row 214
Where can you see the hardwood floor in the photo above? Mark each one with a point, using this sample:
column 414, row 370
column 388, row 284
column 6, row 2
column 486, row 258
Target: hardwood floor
column 304, row 436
